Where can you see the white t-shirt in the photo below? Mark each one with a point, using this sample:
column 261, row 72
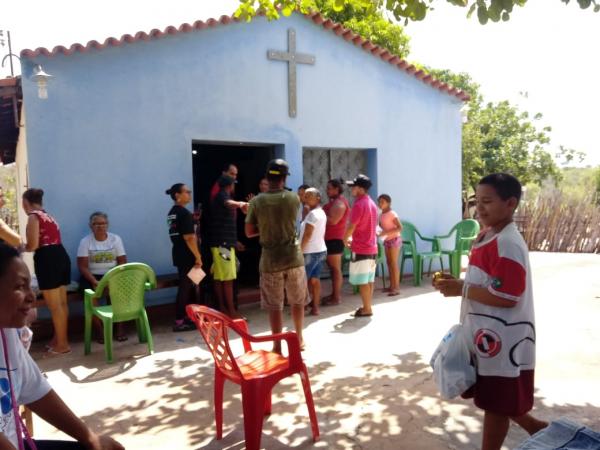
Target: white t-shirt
column 502, row 339
column 318, row 220
column 29, row 385
column 102, row 255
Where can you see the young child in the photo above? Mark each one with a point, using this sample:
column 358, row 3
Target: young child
column 312, row 243
column 392, row 241
column 497, row 312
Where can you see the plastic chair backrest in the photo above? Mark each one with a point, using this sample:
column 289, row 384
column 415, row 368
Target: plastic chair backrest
column 409, row 237
column 466, row 229
column 127, row 285
column 214, row 328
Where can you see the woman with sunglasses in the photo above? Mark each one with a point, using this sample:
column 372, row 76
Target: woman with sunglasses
column 186, row 254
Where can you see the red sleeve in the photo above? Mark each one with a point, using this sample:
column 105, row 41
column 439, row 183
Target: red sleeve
column 508, row 279
column 355, row 214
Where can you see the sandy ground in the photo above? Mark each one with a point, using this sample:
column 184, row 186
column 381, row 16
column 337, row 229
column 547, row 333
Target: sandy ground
column 370, row 377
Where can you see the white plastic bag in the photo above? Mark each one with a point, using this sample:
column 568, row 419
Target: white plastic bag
column 451, row 362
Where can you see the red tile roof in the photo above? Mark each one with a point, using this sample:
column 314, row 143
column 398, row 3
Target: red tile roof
column 316, row 17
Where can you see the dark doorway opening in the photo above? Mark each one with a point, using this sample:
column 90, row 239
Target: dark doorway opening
column 209, row 160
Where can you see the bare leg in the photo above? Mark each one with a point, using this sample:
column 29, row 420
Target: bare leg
column 530, row 423
column 335, row 266
column 218, row 289
column 276, row 321
column 56, row 299
column 298, row 318
column 391, row 255
column 228, row 294
column 314, row 287
column 495, row 428
column 366, row 294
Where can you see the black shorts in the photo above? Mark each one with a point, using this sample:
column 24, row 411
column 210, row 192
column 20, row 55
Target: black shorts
column 52, row 267
column 334, row 246
column 85, row 284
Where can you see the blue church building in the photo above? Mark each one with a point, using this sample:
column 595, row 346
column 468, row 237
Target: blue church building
column 125, row 119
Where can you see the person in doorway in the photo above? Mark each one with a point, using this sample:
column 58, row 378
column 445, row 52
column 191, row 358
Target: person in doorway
column 337, row 211
column 304, row 208
column 263, row 185
column 185, row 253
column 222, row 242
column 391, row 227
column 497, row 313
column 99, row 252
column 312, row 243
column 229, row 170
column 21, row 380
column 52, row 266
column 272, row 217
column 7, row 234
column 361, row 237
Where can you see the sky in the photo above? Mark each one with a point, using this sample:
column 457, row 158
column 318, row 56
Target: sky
column 548, row 50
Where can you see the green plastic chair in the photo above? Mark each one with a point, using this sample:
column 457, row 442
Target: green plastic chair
column 466, row 231
column 379, row 261
column 127, row 284
column 409, row 251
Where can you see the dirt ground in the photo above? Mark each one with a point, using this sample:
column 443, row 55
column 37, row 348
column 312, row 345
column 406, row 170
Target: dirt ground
column 370, row 377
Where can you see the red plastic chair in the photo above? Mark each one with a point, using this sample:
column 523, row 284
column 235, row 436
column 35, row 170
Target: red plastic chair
column 256, row 371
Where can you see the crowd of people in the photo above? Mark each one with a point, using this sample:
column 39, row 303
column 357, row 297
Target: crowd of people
column 297, row 237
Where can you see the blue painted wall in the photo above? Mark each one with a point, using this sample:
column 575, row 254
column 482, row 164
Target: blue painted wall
column 118, row 124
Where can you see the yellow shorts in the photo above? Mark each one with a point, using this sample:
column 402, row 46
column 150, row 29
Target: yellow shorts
column 223, row 267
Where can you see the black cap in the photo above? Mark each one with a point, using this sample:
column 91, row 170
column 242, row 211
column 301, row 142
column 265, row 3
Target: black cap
column 225, row 181
column 278, row 167
column 361, row 180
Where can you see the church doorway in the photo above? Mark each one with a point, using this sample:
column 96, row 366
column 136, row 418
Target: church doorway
column 208, row 161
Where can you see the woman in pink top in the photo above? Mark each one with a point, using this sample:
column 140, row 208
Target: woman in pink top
column 392, row 240
column 52, row 266
column 337, row 211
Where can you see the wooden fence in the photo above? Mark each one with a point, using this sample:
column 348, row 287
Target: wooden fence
column 556, row 223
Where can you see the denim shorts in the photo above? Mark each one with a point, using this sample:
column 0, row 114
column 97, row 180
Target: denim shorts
column 313, row 263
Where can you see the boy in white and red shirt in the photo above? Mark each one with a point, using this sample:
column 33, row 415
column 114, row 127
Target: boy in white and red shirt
column 497, row 313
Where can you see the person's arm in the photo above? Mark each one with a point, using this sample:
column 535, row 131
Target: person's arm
column 121, row 256
column 5, row 443
column 83, row 264
column 336, row 213
column 32, row 233
column 449, row 286
column 308, row 232
column 192, row 243
column 349, row 231
column 9, row 235
column 121, row 260
column 251, row 230
column 53, row 410
column 485, row 297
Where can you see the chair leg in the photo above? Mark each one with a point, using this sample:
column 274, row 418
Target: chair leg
column 146, row 331
column 417, row 269
column 429, row 269
column 87, row 334
column 314, row 424
column 139, row 327
column 268, row 404
column 253, row 402
column 218, row 399
column 455, row 264
column 107, row 324
column 401, row 266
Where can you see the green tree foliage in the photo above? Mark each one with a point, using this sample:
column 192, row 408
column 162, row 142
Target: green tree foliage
column 597, row 182
column 361, row 16
column 402, row 10
column 497, row 137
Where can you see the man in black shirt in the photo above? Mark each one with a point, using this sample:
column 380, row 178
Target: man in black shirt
column 222, row 241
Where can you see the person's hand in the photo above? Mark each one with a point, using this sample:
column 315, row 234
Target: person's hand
column 94, row 284
column 244, row 208
column 449, row 286
column 198, row 263
column 240, row 247
column 250, row 197
column 103, row 442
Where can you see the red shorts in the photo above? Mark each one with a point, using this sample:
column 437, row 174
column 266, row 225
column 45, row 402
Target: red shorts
column 510, row 397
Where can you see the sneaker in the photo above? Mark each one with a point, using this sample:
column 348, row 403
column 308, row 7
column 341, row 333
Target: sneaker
column 183, row 326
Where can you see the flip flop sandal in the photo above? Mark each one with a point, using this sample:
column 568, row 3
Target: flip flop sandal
column 122, row 338
column 359, row 313
column 52, row 354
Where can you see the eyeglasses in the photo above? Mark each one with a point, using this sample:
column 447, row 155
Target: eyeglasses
column 100, row 224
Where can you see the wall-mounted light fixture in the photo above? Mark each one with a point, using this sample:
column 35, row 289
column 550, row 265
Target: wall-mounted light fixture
column 41, row 78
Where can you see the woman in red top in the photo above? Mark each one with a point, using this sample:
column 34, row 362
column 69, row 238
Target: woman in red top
column 52, row 266
column 337, row 210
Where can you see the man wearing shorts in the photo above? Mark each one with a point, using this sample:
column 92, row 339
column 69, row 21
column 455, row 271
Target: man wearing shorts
column 222, row 241
column 272, row 217
column 363, row 231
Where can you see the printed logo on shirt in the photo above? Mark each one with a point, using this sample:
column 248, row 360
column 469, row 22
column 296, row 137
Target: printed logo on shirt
column 102, row 256
column 487, row 343
column 5, row 401
column 496, row 283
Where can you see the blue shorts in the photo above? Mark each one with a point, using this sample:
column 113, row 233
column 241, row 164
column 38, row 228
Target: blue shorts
column 313, row 263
